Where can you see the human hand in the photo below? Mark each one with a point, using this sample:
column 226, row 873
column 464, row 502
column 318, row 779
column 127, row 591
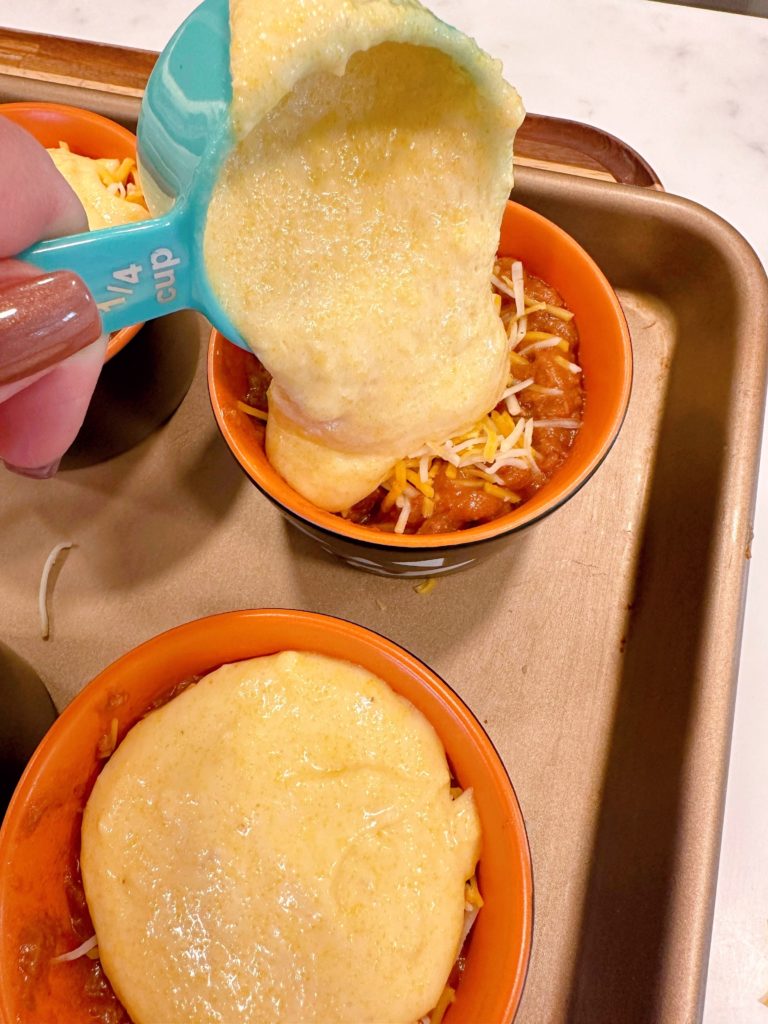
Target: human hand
column 51, row 345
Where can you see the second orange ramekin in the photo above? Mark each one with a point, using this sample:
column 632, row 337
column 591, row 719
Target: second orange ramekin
column 87, row 134
column 605, row 353
column 39, row 839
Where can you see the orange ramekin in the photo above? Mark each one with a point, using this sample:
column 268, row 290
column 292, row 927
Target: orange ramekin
column 40, row 834
column 85, row 133
column 605, row 353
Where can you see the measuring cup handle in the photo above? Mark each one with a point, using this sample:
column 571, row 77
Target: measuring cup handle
column 135, row 271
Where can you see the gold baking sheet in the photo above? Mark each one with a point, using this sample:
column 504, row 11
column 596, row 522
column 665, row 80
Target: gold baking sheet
column 599, row 649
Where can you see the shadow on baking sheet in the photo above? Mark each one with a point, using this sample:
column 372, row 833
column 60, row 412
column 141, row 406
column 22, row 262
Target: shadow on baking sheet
column 121, row 479
column 623, row 955
column 427, row 625
column 138, row 390
column 27, row 714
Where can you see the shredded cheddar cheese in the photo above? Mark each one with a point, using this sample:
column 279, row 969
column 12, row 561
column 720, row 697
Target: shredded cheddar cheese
column 42, row 596
column 108, row 743
column 495, row 441
column 108, row 188
column 114, row 172
column 502, row 492
column 503, row 438
column 445, row 1000
column 550, row 342
column 538, row 335
column 535, row 307
column 472, row 893
column 424, row 486
column 249, row 410
column 567, row 364
column 389, row 499
column 559, row 312
column 492, row 443
column 84, row 949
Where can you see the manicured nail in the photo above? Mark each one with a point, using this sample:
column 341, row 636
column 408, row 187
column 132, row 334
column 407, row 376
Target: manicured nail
column 42, row 321
column 37, row 473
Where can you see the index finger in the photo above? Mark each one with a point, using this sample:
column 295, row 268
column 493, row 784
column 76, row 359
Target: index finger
column 36, row 200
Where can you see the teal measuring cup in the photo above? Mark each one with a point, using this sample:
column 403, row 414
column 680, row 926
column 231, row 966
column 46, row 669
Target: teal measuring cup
column 146, row 269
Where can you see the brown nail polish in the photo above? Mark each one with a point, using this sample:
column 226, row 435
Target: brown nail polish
column 42, row 321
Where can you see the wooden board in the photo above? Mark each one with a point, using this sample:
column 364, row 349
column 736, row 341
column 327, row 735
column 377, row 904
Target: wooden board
column 112, row 78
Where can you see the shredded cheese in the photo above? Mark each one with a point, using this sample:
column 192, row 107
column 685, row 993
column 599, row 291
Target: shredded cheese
column 507, row 423
column 535, row 307
column 42, row 596
column 415, row 480
column 82, row 950
column 249, row 410
column 519, row 385
column 567, row 364
column 426, row 587
column 498, row 283
column 501, row 439
column 501, row 492
column 492, row 442
column 111, row 172
column 528, row 434
column 551, row 342
column 513, row 406
column 470, row 916
column 559, row 312
column 519, row 295
column 563, row 424
column 447, row 997
column 511, row 440
column 537, row 335
column 107, row 744
column 405, row 512
column 472, row 893
column 389, row 499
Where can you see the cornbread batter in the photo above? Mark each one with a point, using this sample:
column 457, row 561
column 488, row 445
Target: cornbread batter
column 100, row 185
column 352, row 232
column 279, row 843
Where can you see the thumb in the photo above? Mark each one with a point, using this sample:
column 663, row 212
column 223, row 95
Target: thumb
column 39, row 423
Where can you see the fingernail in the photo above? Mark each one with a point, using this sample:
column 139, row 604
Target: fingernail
column 37, row 473
column 42, row 321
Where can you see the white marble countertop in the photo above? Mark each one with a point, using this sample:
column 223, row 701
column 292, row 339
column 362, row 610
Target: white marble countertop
column 688, row 88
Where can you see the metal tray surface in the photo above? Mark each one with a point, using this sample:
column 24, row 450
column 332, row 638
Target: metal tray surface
column 599, row 649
